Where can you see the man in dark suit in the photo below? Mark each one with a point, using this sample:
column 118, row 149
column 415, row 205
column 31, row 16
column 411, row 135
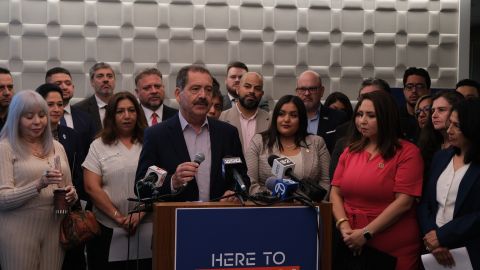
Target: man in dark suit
column 102, row 79
column 72, row 117
column 235, row 71
column 6, row 94
column 173, row 144
column 322, row 120
column 151, row 93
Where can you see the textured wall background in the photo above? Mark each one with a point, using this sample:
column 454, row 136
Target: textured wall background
column 344, row 40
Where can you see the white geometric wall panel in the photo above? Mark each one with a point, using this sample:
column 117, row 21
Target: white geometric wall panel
column 344, row 40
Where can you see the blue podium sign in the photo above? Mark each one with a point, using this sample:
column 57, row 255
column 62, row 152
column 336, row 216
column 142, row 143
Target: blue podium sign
column 261, row 238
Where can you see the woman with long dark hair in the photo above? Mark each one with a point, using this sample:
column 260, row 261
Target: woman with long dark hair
column 287, row 136
column 433, row 136
column 375, row 184
column 109, row 175
column 449, row 212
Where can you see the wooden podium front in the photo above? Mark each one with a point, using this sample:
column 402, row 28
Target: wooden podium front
column 164, row 230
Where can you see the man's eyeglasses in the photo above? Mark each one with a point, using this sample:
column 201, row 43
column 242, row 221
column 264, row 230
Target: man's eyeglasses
column 417, row 87
column 302, row 90
column 425, row 110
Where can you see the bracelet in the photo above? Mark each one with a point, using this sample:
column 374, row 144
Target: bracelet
column 340, row 221
column 115, row 214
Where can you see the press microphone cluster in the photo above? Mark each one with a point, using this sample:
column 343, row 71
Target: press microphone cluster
column 282, row 167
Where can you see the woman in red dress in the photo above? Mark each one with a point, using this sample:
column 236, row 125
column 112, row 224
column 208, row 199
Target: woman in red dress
column 376, row 182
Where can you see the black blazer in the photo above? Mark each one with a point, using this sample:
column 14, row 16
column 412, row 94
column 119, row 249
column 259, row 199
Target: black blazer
column 83, row 125
column 165, row 147
column 168, row 112
column 89, row 106
column 329, row 120
column 76, row 154
column 464, row 228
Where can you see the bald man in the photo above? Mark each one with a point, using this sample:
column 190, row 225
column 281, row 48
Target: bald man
column 322, row 120
column 245, row 114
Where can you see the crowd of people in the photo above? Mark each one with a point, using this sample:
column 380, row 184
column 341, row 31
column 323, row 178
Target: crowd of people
column 403, row 179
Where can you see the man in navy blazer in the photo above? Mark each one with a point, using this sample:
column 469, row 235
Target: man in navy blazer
column 173, row 144
column 464, row 229
column 322, row 120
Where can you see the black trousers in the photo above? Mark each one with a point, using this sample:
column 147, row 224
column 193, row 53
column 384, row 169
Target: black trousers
column 98, row 250
column 75, row 259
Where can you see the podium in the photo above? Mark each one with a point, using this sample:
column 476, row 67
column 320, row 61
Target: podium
column 185, row 232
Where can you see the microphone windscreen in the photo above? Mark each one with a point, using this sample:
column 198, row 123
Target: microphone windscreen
column 271, row 158
column 271, row 182
column 199, row 158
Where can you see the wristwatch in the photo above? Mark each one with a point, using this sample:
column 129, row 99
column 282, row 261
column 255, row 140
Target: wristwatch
column 367, row 235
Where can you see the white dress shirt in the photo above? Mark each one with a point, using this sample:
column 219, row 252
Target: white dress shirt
column 101, row 108
column 67, row 115
column 447, row 189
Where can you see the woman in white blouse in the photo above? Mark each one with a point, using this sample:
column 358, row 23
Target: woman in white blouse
column 449, row 213
column 109, row 174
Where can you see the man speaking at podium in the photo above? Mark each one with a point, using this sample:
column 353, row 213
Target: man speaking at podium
column 174, row 144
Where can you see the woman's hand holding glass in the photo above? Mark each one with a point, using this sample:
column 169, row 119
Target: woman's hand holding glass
column 49, row 177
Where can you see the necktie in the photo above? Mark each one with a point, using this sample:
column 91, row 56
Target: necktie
column 154, row 119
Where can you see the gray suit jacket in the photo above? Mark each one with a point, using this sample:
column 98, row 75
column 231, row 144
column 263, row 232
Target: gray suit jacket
column 232, row 116
column 315, row 161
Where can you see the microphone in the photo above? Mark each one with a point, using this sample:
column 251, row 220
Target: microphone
column 154, row 178
column 281, row 188
column 283, row 167
column 199, row 158
column 229, row 171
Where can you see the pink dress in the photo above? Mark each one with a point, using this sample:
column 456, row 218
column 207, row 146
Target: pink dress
column 369, row 186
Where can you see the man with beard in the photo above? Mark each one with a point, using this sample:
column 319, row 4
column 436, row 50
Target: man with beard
column 245, row 115
column 151, row 93
column 6, row 94
column 174, row 144
column 235, row 71
column 416, row 83
column 102, row 80
column 72, row 117
column 322, row 120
